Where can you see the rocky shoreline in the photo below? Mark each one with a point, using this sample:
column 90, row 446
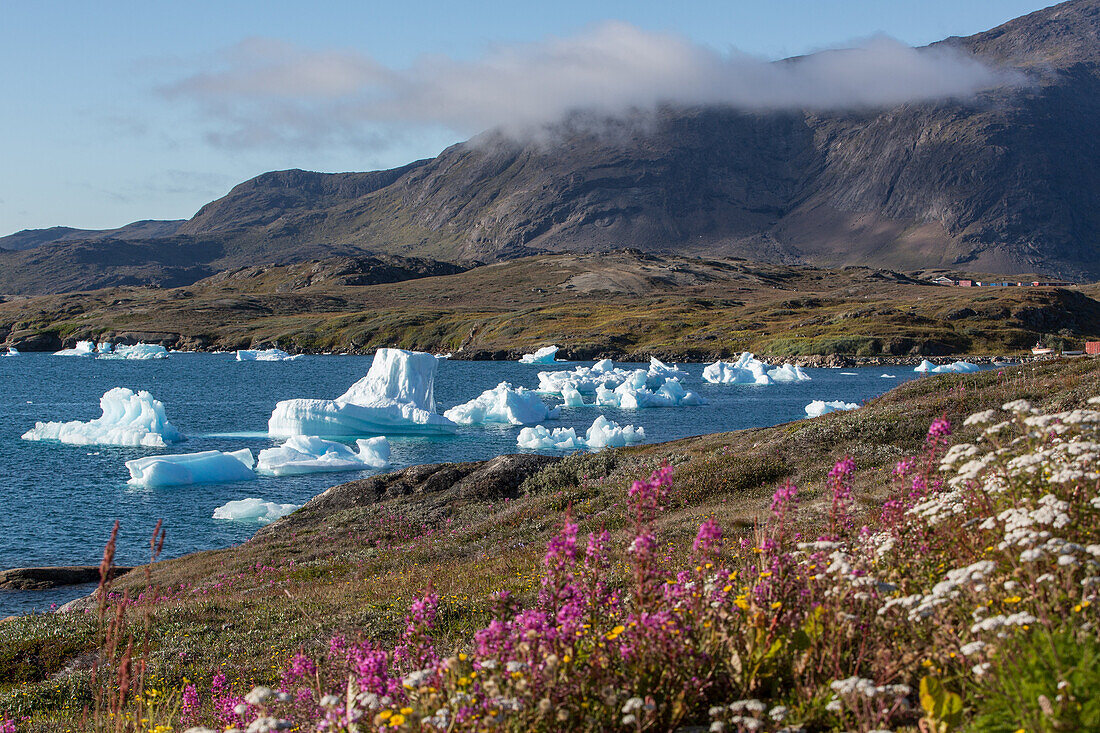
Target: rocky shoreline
column 175, row 342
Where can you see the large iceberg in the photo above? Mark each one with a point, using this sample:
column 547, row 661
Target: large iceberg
column 750, row 370
column 82, row 348
column 545, row 355
column 129, row 418
column 603, row 433
column 502, row 404
column 817, row 408
column 137, row 352
column 302, row 454
column 959, row 367
column 265, row 355
column 254, row 510
column 206, row 467
column 395, row 398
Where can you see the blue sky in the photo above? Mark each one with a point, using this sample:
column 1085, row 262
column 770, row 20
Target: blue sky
column 118, row 111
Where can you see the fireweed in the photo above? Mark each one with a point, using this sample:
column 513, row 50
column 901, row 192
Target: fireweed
column 903, row 616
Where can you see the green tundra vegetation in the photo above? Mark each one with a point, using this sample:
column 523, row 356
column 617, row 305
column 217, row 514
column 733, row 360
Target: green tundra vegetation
column 929, row 560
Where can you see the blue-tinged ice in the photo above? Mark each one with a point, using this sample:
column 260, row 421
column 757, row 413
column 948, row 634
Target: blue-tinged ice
column 12, row 351
column 502, row 404
column 959, row 367
column 589, row 379
column 135, row 352
column 302, row 454
column 545, row 355
column 750, row 370
column 395, row 398
column 206, row 467
column 82, row 348
column 254, row 510
column 817, row 408
column 603, row 433
column 129, row 418
column 265, row 355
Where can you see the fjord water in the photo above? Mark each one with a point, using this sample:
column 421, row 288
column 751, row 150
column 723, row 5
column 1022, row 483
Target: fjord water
column 60, row 501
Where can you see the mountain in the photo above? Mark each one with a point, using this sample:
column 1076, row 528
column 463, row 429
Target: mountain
column 145, row 229
column 1005, row 182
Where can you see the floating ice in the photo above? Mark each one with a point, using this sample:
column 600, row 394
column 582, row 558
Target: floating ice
column 502, row 404
column 571, row 397
column 12, row 351
column 630, row 396
column 207, row 467
column 444, row 357
column 545, row 355
column 658, row 369
column 538, row 438
column 608, row 433
column 850, row 374
column 129, row 418
column 302, row 454
column 817, row 408
column 395, row 398
column 265, row 355
column 603, row 433
column 959, row 367
column 138, row 352
column 750, row 370
column 82, row 348
column 254, row 510
column 887, row 376
column 604, row 373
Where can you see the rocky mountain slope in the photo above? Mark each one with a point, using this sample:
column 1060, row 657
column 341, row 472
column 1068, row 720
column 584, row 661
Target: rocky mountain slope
column 1006, row 182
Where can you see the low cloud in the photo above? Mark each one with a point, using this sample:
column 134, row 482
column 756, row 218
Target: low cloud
column 265, row 92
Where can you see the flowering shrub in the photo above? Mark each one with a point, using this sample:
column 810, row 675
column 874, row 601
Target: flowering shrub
column 970, row 595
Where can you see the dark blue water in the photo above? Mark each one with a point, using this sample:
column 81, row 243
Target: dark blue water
column 59, row 501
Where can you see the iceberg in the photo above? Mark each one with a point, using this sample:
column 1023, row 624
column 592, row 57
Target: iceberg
column 887, row 376
column 395, row 398
column 545, row 355
column 603, row 433
column 207, row 467
column 302, row 454
column 632, row 396
column 502, row 404
column 604, row 374
column 12, row 351
column 138, row 352
column 265, row 355
column 571, row 397
column 539, row 438
column 606, row 433
column 254, row 510
column 129, row 418
column 959, row 367
column 82, row 348
column 750, row 370
column 817, row 408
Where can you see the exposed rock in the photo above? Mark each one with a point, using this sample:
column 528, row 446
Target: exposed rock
column 438, row 488
column 53, row 577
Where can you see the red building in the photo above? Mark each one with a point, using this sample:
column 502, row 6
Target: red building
column 1092, row 347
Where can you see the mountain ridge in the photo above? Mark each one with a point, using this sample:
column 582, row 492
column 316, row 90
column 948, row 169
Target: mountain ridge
column 1005, row 182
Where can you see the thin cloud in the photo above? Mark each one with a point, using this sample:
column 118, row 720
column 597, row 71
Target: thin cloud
column 265, row 92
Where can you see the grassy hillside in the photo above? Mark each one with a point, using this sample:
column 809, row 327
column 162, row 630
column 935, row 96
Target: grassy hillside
column 619, row 305
column 349, row 564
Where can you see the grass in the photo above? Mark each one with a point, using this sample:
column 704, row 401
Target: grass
column 675, row 307
column 247, row 610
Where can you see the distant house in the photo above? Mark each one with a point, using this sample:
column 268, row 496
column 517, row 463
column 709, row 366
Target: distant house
column 966, row 283
column 943, row 280
column 1092, row 347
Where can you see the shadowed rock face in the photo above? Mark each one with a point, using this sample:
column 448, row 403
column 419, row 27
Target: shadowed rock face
column 1008, row 182
column 437, row 488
